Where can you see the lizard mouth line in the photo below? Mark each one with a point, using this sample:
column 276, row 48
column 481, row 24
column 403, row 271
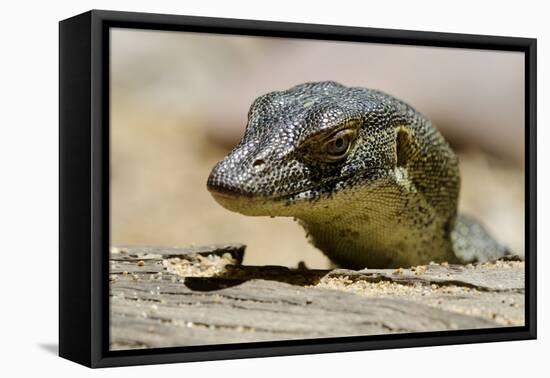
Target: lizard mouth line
column 318, row 188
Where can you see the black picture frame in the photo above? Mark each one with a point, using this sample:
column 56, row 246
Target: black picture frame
column 84, row 187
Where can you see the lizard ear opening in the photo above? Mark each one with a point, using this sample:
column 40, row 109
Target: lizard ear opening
column 403, row 146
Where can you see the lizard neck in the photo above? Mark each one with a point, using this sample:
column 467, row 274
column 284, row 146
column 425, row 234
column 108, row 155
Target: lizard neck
column 362, row 228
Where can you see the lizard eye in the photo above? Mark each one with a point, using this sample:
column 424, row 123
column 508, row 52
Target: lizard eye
column 338, row 146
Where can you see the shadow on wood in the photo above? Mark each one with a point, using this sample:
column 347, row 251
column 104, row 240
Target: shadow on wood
column 163, row 297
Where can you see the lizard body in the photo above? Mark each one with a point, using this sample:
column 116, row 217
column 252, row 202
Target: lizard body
column 371, row 180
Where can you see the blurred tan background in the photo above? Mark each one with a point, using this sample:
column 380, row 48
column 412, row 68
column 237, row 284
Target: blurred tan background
column 179, row 103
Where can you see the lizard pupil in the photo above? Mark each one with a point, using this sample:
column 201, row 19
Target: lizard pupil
column 338, row 146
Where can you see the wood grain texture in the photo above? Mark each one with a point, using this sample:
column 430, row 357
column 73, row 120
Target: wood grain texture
column 162, row 297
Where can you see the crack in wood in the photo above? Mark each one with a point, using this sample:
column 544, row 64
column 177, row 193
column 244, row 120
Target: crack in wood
column 162, row 297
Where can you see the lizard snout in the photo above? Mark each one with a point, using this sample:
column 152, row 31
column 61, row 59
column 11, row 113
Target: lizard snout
column 232, row 178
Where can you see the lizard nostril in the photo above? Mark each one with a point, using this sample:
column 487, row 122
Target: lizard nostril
column 258, row 164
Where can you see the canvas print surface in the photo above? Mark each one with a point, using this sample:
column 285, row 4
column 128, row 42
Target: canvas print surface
column 266, row 189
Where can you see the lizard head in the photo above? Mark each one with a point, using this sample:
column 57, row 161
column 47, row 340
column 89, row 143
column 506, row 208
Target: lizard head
column 303, row 146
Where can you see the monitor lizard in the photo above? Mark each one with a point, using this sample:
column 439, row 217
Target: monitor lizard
column 371, row 180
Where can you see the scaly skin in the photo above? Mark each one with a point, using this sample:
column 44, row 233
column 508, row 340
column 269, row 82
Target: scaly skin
column 370, row 179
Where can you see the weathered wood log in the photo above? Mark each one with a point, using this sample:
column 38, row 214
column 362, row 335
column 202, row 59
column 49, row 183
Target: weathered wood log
column 162, row 297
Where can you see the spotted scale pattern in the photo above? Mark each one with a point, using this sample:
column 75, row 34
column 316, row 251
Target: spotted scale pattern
column 389, row 201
